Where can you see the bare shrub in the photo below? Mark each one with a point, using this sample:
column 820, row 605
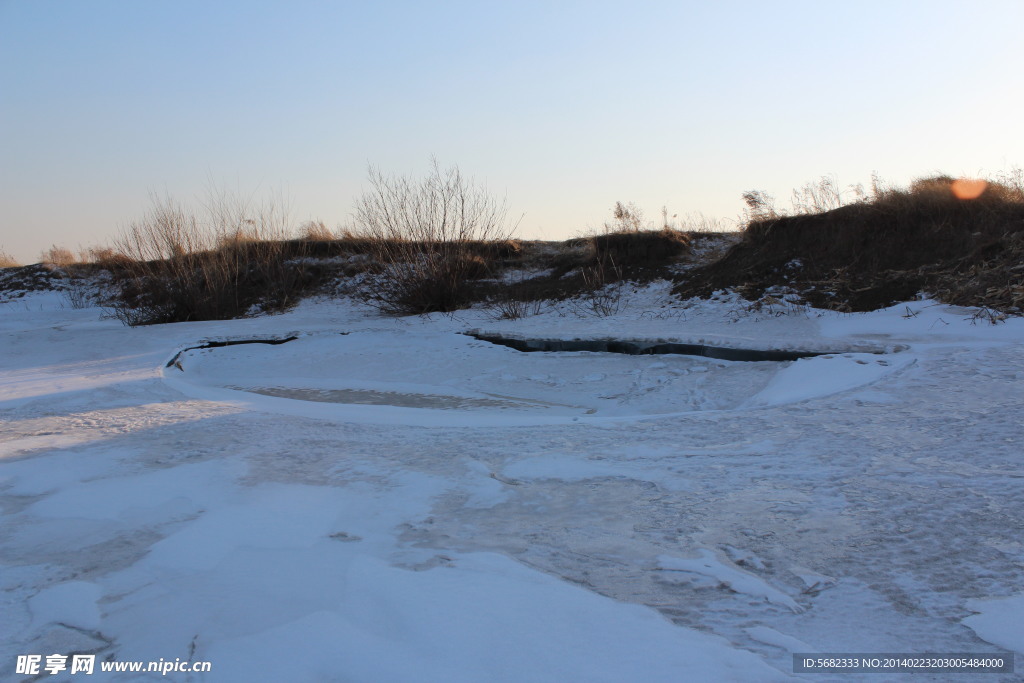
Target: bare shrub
column 433, row 237
column 511, row 308
column 602, row 291
column 83, row 292
column 511, row 297
column 180, row 264
column 986, row 314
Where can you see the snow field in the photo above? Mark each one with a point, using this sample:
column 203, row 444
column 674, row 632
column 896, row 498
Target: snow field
column 697, row 525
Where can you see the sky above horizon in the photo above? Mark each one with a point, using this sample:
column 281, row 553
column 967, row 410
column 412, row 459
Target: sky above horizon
column 563, row 108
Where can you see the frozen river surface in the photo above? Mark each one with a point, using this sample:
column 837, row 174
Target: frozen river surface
column 393, row 500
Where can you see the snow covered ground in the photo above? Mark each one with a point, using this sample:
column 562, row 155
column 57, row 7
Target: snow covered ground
column 391, row 500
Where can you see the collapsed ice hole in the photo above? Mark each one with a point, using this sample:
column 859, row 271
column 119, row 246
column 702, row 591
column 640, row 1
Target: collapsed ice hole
column 402, row 375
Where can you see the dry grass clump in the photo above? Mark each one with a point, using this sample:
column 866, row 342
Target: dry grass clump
column 940, row 235
column 57, row 257
column 641, row 249
column 590, row 269
column 993, row 277
column 626, row 249
column 176, row 264
column 433, row 238
column 7, row 261
column 105, row 258
column 315, row 231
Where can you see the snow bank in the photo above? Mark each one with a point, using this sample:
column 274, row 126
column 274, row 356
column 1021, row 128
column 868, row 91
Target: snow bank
column 999, row 621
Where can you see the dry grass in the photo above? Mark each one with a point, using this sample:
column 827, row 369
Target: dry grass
column 883, row 248
column 315, row 231
column 57, row 257
column 626, row 249
column 176, row 264
column 106, row 258
column 504, row 308
column 590, row 270
column 626, row 218
column 643, row 249
column 696, row 223
column 442, row 243
column 7, row 261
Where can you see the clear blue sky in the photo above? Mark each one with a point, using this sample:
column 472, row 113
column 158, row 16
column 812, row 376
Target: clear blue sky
column 564, row 107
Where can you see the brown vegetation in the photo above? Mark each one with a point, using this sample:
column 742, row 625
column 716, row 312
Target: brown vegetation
column 433, row 239
column 315, row 231
column 175, row 265
column 7, row 261
column 57, row 257
column 882, row 249
column 442, row 243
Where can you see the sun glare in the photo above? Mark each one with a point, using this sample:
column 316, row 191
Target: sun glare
column 968, row 188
